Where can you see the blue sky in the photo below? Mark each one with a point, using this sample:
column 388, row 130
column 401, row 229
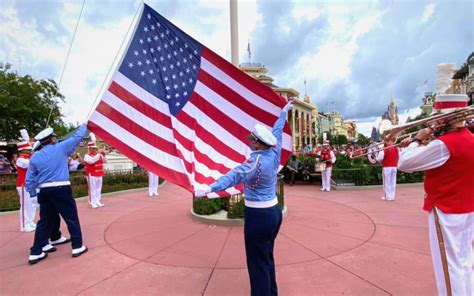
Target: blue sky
column 354, row 54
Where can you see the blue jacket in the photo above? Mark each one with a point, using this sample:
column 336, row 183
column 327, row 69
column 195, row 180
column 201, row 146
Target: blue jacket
column 50, row 164
column 259, row 172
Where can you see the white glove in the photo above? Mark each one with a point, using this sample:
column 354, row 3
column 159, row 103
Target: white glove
column 288, row 106
column 34, row 202
column 202, row 191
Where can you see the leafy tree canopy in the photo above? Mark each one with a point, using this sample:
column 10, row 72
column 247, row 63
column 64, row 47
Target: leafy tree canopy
column 27, row 103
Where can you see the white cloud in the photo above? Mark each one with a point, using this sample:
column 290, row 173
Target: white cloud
column 428, row 12
column 361, row 51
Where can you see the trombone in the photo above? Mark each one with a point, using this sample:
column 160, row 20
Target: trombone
column 373, row 149
column 439, row 123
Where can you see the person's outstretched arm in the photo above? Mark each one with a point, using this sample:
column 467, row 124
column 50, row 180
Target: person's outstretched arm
column 70, row 144
column 279, row 125
column 236, row 176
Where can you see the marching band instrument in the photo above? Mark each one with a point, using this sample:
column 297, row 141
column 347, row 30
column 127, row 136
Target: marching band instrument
column 375, row 148
column 439, row 123
column 319, row 166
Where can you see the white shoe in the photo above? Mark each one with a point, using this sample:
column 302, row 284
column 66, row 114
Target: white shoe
column 327, row 189
column 33, row 259
column 383, row 198
column 100, row 204
column 49, row 248
column 94, row 206
column 33, row 225
column 156, row 194
column 79, row 251
column 322, row 189
column 60, row 241
column 28, row 228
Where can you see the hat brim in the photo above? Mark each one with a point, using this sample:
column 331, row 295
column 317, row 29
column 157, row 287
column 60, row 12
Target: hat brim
column 252, row 136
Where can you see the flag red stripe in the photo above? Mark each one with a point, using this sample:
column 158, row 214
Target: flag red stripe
column 237, row 100
column 127, row 124
column 138, row 104
column 204, row 134
column 149, row 164
column 244, row 79
column 200, row 157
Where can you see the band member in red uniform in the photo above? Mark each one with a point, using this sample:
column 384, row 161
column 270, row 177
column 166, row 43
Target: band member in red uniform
column 94, row 161
column 27, row 204
column 389, row 158
column 448, row 162
column 327, row 156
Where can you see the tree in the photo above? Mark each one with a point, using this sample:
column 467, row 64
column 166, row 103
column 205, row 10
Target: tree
column 340, row 139
column 27, row 103
column 362, row 140
column 329, row 137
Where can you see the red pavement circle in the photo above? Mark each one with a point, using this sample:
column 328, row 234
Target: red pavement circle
column 165, row 234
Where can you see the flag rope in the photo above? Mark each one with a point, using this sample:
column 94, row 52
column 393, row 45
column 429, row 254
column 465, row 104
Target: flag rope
column 67, row 57
column 101, row 89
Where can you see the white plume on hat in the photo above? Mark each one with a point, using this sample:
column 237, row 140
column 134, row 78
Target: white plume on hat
column 24, row 135
column 92, row 142
column 25, row 143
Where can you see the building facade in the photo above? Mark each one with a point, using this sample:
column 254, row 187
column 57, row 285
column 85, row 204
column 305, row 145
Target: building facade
column 463, row 79
column 301, row 115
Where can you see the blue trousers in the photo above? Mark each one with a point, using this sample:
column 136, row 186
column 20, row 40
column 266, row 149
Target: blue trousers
column 54, row 201
column 260, row 231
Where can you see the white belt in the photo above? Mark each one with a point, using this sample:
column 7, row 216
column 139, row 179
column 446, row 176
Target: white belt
column 261, row 204
column 55, row 184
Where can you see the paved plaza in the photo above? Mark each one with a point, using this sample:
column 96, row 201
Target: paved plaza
column 341, row 242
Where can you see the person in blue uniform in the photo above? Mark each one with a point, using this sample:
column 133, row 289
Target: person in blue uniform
column 263, row 215
column 48, row 171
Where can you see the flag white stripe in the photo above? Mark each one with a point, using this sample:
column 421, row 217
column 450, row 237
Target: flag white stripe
column 201, row 145
column 166, row 134
column 137, row 144
column 214, row 128
column 248, row 95
column 140, row 93
column 245, row 120
column 139, row 118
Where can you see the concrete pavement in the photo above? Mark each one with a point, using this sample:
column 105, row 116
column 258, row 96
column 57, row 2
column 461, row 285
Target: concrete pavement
column 338, row 242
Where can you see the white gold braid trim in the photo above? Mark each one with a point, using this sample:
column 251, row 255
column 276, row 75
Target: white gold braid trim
column 253, row 168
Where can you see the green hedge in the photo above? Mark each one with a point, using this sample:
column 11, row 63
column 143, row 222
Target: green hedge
column 234, row 206
column 111, row 182
column 357, row 171
column 207, row 206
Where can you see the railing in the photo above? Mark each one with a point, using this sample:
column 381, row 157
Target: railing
column 370, row 175
column 254, row 65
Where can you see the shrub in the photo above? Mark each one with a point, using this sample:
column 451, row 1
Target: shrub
column 207, row 206
column 111, row 182
column 236, row 210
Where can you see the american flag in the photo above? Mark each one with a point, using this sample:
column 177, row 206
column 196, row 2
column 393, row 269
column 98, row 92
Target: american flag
column 181, row 111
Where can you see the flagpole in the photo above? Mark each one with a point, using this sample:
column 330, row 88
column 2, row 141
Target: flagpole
column 101, row 91
column 234, row 32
